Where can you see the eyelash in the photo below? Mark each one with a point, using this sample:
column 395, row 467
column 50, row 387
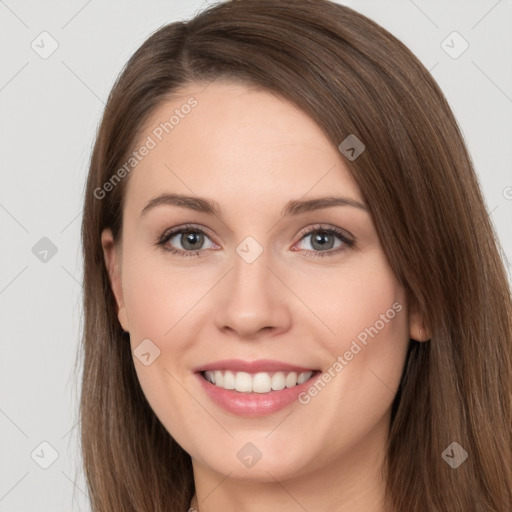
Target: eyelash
column 166, row 236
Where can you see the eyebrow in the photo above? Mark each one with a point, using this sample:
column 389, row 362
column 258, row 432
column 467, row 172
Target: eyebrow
column 293, row 207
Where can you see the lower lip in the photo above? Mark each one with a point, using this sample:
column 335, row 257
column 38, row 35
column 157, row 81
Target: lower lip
column 253, row 404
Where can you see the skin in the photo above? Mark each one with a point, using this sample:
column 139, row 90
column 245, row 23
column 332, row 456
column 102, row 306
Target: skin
column 251, row 152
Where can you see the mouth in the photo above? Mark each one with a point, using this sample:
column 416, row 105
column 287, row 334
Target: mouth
column 260, row 382
column 254, row 388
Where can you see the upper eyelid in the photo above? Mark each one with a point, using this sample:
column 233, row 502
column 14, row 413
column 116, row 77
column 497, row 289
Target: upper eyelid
column 320, row 227
column 171, row 232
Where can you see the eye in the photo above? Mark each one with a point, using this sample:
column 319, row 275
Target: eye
column 190, row 238
column 324, row 239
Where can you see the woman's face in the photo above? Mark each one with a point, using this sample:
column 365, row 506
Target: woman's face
column 265, row 277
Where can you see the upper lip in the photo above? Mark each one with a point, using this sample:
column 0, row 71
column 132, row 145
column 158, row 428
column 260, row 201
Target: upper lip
column 260, row 365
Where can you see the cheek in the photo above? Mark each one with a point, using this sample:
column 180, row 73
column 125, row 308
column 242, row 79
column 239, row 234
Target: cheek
column 356, row 300
column 159, row 301
column 364, row 307
column 158, row 295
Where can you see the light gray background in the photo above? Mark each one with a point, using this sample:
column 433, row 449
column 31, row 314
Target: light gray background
column 49, row 111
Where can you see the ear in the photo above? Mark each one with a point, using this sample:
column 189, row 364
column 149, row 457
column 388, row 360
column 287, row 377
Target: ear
column 417, row 330
column 112, row 256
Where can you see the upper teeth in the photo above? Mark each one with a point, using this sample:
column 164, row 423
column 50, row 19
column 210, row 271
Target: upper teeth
column 259, row 383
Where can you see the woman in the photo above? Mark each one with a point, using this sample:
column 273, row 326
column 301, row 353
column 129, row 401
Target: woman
column 293, row 295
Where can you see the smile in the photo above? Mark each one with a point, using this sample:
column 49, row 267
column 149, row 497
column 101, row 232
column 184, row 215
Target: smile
column 261, row 382
column 254, row 394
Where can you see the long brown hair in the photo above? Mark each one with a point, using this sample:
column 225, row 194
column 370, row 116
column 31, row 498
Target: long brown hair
column 352, row 77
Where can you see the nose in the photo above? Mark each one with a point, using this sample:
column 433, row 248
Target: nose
column 253, row 301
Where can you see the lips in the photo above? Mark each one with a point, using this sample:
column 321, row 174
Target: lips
column 262, row 402
column 260, row 365
column 252, row 404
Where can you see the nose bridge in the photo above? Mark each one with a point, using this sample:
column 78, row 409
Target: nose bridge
column 250, row 273
column 252, row 299
column 251, row 264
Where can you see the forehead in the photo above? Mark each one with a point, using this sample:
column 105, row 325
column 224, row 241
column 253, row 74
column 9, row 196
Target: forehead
column 228, row 139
